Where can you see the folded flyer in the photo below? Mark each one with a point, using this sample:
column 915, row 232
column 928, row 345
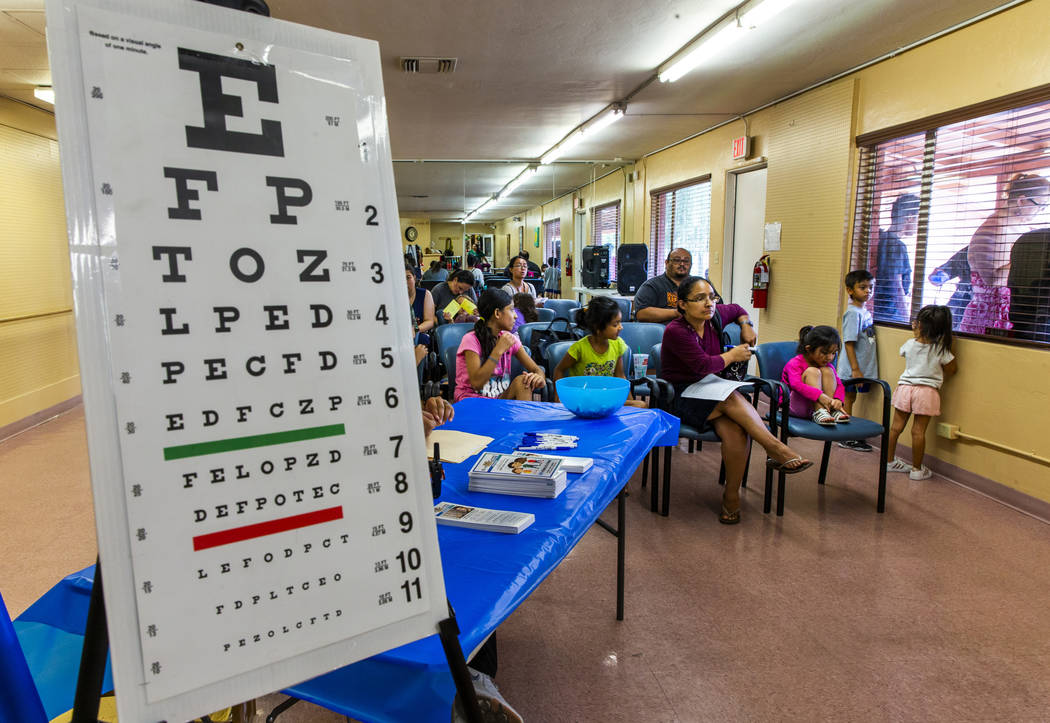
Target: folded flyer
column 461, row 304
column 479, row 518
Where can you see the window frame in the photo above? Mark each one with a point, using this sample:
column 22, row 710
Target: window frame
column 596, row 235
column 865, row 195
column 657, row 254
column 551, row 240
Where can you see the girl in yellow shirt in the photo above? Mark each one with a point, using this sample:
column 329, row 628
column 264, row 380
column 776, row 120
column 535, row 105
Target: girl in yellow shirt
column 600, row 353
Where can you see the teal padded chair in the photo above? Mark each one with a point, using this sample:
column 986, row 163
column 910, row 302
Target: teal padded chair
column 565, row 308
column 771, row 360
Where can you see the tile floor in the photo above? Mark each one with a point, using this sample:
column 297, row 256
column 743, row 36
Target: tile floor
column 936, row 610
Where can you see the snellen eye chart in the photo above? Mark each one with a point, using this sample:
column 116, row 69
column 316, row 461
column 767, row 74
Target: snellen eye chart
column 260, row 479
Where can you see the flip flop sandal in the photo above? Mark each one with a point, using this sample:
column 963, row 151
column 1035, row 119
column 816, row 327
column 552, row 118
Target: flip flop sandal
column 823, row 417
column 783, row 466
column 729, row 518
column 841, row 417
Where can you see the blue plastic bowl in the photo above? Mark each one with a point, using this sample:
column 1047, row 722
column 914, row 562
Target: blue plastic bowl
column 592, row 397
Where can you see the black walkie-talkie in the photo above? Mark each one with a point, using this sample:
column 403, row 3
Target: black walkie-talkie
column 437, row 472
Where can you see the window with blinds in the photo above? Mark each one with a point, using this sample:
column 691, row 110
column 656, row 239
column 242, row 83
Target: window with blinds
column 956, row 215
column 551, row 241
column 605, row 231
column 681, row 218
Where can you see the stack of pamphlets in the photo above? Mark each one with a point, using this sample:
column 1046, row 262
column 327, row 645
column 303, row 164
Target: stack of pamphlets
column 478, row 518
column 519, row 473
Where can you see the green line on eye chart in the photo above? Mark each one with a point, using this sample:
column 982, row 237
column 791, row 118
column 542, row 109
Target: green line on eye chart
column 199, row 449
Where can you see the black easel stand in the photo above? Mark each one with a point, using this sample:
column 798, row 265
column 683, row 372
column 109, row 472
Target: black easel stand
column 92, row 657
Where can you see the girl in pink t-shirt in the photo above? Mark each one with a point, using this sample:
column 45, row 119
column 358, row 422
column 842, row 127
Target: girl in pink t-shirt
column 484, row 357
column 816, row 390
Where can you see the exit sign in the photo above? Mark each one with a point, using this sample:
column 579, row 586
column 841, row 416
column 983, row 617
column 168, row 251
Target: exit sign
column 741, row 148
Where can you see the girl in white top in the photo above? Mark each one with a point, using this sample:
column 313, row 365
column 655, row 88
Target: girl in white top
column 518, row 284
column 928, row 358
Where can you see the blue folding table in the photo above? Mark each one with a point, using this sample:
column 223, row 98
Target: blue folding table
column 487, row 575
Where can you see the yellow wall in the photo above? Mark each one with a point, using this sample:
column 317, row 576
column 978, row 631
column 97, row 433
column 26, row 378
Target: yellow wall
column 38, row 360
column 808, row 142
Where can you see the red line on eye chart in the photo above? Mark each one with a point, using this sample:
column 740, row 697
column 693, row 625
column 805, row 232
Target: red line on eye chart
column 262, row 529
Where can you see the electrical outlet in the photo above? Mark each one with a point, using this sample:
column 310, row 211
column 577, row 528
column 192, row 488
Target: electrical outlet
column 715, row 256
column 948, row 431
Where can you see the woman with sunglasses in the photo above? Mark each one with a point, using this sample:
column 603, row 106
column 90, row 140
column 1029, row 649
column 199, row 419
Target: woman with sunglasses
column 692, row 349
column 1026, row 196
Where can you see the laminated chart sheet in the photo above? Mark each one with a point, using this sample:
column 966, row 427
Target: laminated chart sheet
column 257, row 458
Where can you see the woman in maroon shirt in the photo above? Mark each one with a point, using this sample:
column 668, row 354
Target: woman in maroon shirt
column 691, row 350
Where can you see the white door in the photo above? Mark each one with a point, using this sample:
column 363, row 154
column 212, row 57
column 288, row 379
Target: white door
column 749, row 218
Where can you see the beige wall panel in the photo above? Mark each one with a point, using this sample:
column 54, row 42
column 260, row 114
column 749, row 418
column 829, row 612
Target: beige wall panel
column 34, row 252
column 38, row 365
column 808, row 193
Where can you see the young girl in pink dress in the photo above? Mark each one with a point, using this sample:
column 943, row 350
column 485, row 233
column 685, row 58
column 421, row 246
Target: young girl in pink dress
column 484, row 357
column 928, row 359
column 816, row 390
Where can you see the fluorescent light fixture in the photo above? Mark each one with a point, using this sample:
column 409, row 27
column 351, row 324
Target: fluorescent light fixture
column 517, row 181
column 605, row 121
column 576, row 136
column 712, row 43
column 45, row 93
column 562, row 148
column 763, row 12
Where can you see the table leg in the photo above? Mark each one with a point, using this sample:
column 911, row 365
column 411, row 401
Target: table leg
column 621, row 550
column 653, row 500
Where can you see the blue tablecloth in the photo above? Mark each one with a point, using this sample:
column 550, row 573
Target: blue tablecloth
column 487, row 575
column 51, row 632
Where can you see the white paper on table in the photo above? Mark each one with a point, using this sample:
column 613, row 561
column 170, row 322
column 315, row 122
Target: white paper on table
column 456, row 446
column 712, row 387
column 772, row 236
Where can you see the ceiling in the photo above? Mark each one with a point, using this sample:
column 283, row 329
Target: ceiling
column 528, row 73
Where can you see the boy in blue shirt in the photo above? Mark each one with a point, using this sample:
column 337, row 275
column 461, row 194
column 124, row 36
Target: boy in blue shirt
column 858, row 357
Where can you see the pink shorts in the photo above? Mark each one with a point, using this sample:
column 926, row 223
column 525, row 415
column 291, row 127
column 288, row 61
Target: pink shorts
column 917, row 399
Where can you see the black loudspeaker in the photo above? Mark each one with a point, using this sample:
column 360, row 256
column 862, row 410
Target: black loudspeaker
column 632, row 268
column 595, row 267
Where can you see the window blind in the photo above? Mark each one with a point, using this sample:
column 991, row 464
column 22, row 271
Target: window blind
column 681, row 218
column 956, row 215
column 605, row 231
column 551, row 241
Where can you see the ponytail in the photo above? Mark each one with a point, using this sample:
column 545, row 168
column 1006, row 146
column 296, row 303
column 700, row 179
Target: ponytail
column 490, row 301
column 597, row 315
column 817, row 337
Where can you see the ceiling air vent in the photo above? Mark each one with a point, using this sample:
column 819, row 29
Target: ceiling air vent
column 428, row 65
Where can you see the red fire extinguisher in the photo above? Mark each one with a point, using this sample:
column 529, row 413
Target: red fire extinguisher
column 760, row 284
column 568, row 265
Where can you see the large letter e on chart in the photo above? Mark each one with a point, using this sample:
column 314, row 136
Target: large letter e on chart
column 217, row 105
